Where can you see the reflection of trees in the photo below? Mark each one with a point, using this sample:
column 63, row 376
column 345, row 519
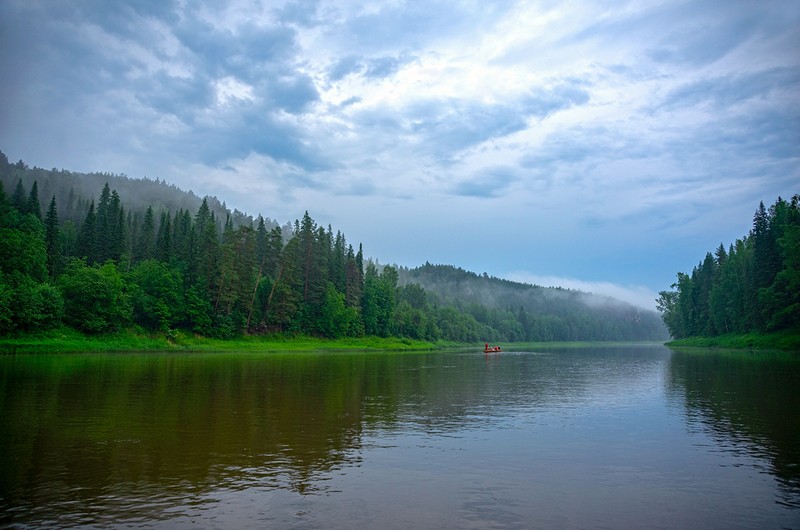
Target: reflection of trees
column 750, row 400
column 98, row 430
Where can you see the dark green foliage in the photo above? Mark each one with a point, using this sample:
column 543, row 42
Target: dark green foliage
column 95, row 298
column 18, row 198
column 164, row 238
column 52, row 240
column 22, row 245
column 379, row 300
column 754, row 286
column 146, row 243
column 86, row 237
column 156, row 292
column 36, row 305
column 337, row 320
column 32, row 205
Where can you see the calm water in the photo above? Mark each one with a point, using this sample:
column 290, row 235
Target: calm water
column 636, row 437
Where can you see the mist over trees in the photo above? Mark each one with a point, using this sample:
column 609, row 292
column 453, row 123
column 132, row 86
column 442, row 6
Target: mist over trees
column 752, row 286
column 512, row 311
column 165, row 260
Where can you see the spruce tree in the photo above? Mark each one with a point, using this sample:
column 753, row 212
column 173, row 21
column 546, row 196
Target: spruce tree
column 164, row 238
column 86, row 236
column 52, row 240
column 18, row 197
column 32, row 205
column 145, row 248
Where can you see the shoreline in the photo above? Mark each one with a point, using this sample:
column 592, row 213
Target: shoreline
column 67, row 340
column 786, row 340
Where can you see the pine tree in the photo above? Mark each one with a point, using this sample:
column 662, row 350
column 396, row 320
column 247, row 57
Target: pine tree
column 32, row 205
column 164, row 238
column 354, row 280
column 145, row 249
column 102, row 231
column 116, row 229
column 206, row 250
column 52, row 240
column 86, row 236
column 18, row 197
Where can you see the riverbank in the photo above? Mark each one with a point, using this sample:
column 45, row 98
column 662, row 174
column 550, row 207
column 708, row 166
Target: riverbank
column 787, row 340
column 66, row 340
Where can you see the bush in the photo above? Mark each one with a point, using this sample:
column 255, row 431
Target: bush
column 95, row 298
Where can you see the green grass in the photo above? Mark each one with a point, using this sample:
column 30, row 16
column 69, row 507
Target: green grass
column 66, row 340
column 787, row 340
column 519, row 346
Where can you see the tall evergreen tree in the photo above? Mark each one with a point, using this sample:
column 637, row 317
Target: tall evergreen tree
column 52, row 240
column 32, row 205
column 164, row 238
column 18, row 200
column 116, row 243
column 86, row 237
column 145, row 249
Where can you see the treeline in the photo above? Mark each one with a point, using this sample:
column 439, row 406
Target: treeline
column 101, row 265
column 753, row 286
column 511, row 311
column 74, row 191
column 183, row 271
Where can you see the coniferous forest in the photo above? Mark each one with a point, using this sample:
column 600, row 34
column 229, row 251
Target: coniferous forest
column 752, row 286
column 165, row 260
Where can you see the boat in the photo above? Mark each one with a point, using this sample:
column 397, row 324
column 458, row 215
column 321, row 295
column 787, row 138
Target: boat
column 491, row 349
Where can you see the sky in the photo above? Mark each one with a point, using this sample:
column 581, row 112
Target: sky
column 597, row 145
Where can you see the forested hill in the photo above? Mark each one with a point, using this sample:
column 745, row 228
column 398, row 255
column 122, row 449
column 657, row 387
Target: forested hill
column 155, row 258
column 532, row 313
column 74, row 192
column 752, row 286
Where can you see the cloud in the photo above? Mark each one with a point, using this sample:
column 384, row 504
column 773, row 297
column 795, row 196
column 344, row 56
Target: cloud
column 490, row 182
column 301, row 12
column 704, row 42
column 613, row 132
column 368, row 67
column 726, row 91
column 633, row 294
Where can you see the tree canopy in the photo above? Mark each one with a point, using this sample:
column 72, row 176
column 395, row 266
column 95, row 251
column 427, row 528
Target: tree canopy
column 754, row 285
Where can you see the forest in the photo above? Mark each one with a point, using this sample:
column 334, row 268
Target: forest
column 166, row 260
column 752, row 286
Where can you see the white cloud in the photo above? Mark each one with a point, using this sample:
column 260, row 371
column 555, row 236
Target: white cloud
column 637, row 295
column 616, row 138
column 229, row 89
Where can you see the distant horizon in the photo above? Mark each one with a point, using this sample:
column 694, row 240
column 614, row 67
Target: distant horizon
column 605, row 147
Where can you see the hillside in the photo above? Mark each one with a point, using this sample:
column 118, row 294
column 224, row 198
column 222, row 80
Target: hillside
column 101, row 252
column 543, row 313
column 74, row 192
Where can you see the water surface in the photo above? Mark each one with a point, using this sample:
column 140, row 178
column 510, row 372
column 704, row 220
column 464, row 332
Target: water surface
column 634, row 437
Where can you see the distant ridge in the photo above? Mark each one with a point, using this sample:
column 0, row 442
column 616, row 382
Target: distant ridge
column 551, row 312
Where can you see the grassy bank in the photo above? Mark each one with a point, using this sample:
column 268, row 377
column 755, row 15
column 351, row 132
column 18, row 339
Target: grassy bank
column 67, row 340
column 788, row 340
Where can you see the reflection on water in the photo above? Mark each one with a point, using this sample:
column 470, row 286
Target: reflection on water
column 750, row 405
column 614, row 437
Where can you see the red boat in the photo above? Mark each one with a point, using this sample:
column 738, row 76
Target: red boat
column 491, row 349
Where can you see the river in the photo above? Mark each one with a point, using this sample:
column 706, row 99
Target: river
column 605, row 437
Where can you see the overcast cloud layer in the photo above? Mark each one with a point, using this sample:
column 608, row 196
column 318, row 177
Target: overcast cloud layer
column 601, row 145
